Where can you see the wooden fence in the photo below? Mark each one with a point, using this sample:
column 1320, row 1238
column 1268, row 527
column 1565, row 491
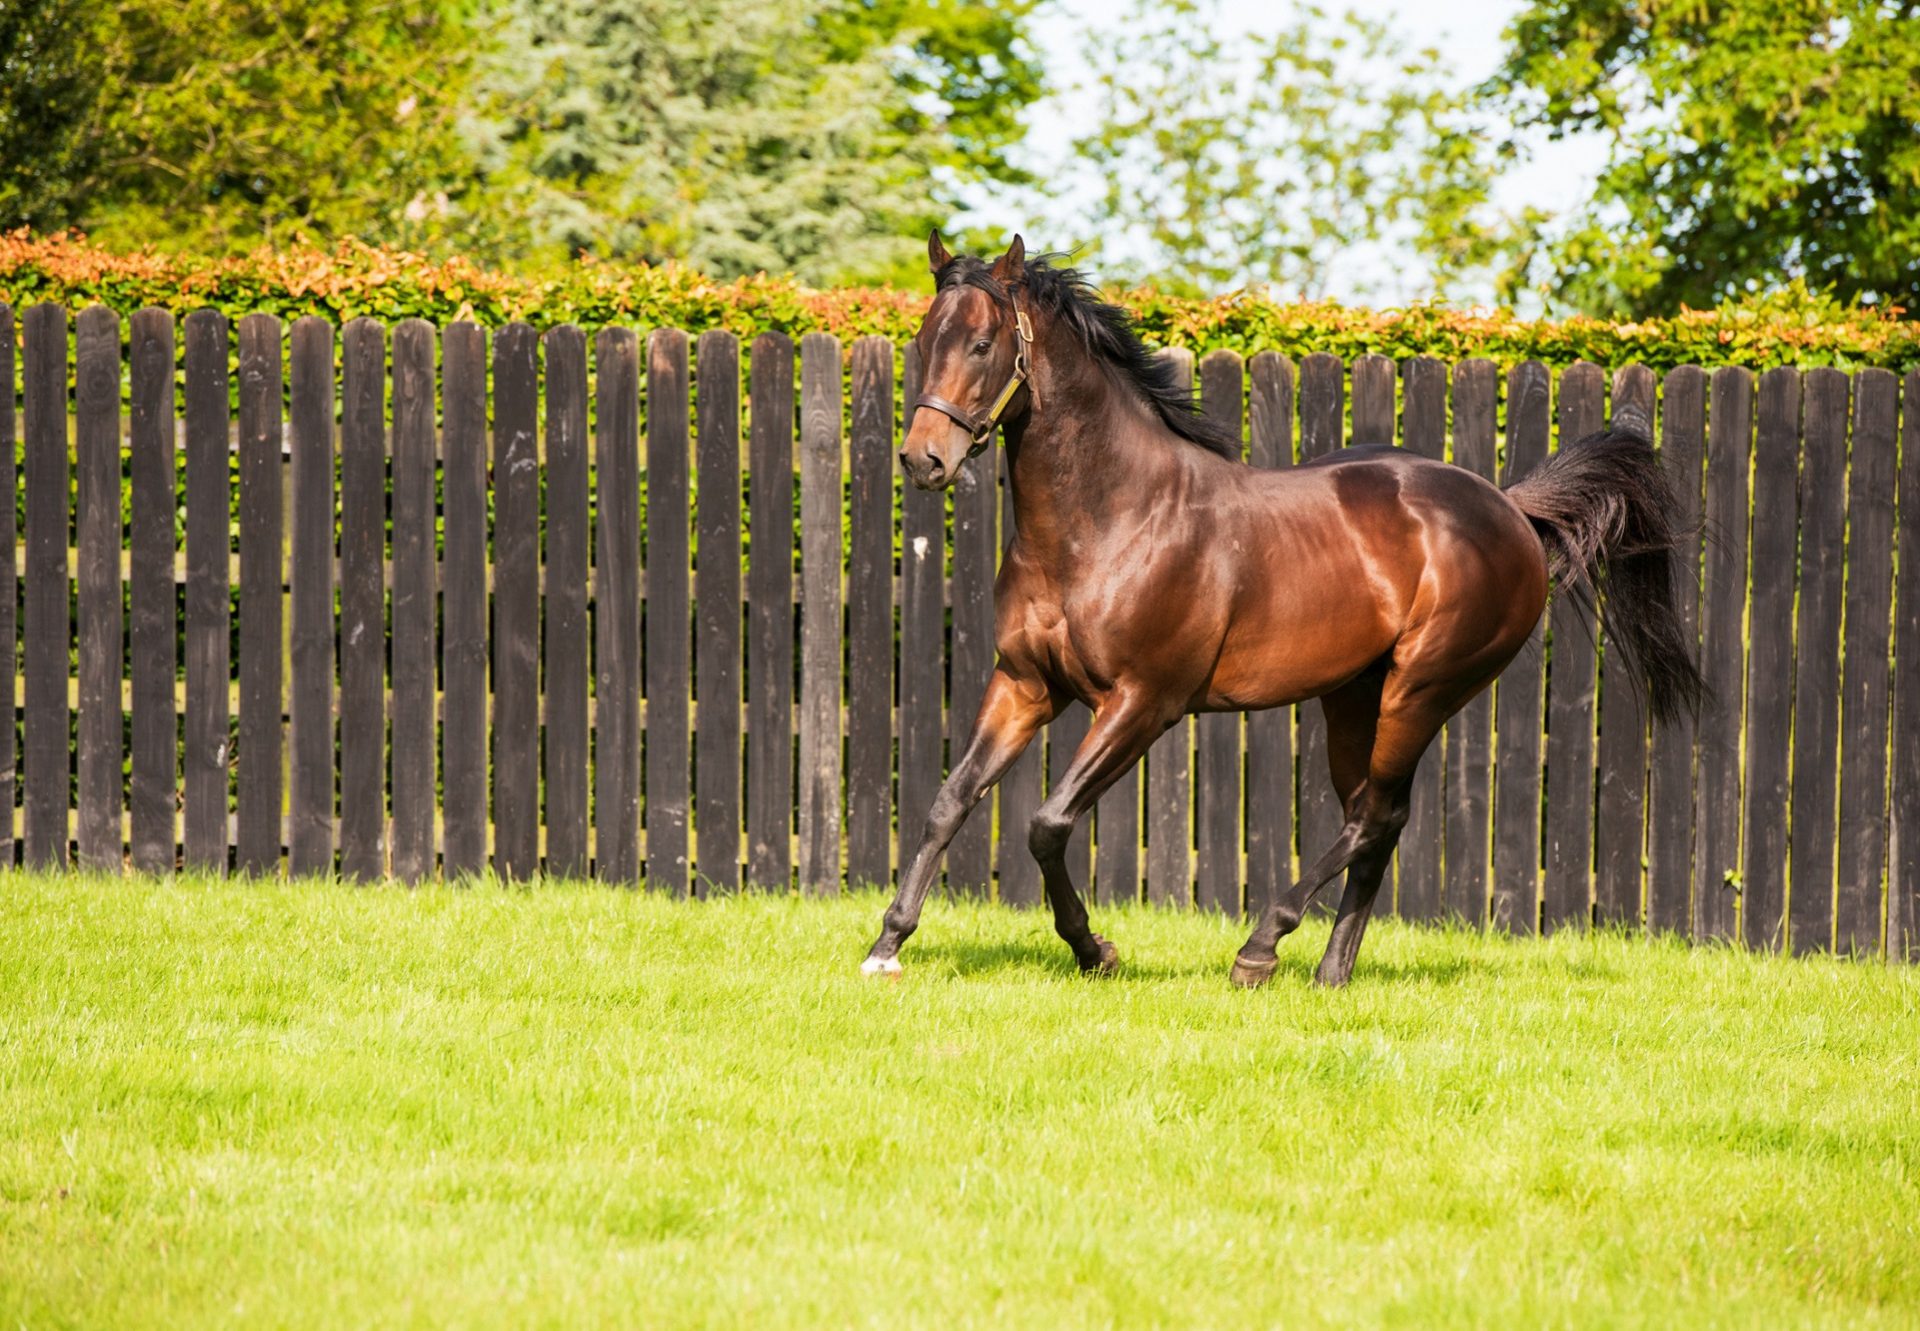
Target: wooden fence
column 454, row 619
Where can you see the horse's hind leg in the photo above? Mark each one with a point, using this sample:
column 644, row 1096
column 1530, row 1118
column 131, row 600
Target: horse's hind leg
column 1352, row 712
column 1411, row 714
column 1352, row 731
column 1364, row 877
column 1122, row 729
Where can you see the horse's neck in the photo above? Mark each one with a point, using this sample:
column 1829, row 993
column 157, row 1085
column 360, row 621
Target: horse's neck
column 1084, row 451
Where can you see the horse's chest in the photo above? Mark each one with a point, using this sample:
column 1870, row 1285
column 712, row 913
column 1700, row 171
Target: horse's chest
column 1141, row 611
column 1035, row 635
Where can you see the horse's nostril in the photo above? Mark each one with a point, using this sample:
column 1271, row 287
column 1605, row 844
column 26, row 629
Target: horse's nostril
column 906, row 462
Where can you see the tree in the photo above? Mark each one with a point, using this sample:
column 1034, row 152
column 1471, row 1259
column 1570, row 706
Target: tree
column 810, row 137
column 1751, row 146
column 219, row 125
column 1319, row 155
column 49, row 98
column 818, row 137
column 964, row 66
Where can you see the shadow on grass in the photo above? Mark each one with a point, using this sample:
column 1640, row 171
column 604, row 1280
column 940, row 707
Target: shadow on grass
column 1435, row 970
column 1004, row 958
column 985, row 957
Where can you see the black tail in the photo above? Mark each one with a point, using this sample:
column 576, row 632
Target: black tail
column 1609, row 520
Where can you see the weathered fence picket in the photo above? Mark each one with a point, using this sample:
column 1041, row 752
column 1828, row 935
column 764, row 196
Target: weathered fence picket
column 1716, row 855
column 1903, row 858
column 1520, row 694
column 870, row 628
column 1772, row 555
column 310, row 577
column 1861, row 857
column 717, row 646
column 96, row 418
column 414, row 625
column 564, row 625
column 259, row 801
column 363, row 600
column 668, row 652
column 1816, row 690
column 47, row 724
column 516, row 602
column 1567, row 887
column 820, row 613
column 616, row 617
column 1621, row 801
column 1670, row 781
column 463, row 600
column 541, row 659
column 770, row 641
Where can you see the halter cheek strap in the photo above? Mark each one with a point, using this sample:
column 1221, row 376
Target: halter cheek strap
column 981, row 428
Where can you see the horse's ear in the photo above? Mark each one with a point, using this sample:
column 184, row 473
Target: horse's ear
column 937, row 256
column 1011, row 266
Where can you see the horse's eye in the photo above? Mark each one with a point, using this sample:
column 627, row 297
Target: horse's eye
column 982, row 347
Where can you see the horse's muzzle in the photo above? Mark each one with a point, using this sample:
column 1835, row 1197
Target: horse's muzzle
column 935, row 448
column 927, row 473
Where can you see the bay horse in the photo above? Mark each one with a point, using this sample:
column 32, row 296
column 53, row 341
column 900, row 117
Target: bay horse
column 1152, row 574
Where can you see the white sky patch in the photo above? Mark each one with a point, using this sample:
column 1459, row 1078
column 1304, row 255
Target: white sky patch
column 1557, row 177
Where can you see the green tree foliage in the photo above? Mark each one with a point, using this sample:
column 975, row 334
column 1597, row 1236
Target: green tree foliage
column 820, row 137
column 961, row 64
column 49, row 92
column 1752, row 145
column 1271, row 162
column 734, row 135
column 219, row 125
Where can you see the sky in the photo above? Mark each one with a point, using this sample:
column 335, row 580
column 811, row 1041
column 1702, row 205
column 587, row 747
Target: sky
column 1465, row 32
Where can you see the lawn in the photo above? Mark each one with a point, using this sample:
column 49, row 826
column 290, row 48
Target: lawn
column 302, row 1105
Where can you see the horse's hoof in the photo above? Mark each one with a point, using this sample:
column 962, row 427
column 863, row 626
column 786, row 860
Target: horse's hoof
column 1107, row 963
column 1330, row 978
column 1253, row 974
column 886, row 968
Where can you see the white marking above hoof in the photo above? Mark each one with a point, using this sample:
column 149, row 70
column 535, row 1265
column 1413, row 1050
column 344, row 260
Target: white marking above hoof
column 887, row 966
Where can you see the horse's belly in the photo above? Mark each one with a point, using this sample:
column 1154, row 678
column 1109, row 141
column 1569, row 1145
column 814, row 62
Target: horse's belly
column 1276, row 669
column 1303, row 638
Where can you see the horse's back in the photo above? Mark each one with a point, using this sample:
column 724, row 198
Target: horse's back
column 1460, row 504
column 1359, row 548
column 1471, row 568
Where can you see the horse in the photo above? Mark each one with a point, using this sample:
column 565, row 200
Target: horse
column 1152, row 574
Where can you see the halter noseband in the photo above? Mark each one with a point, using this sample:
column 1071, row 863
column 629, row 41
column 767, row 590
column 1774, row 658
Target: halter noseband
column 981, row 428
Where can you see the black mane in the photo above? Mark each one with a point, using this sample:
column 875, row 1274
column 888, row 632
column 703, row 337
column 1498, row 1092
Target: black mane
column 1106, row 331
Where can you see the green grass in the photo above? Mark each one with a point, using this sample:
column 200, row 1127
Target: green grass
column 270, row 1105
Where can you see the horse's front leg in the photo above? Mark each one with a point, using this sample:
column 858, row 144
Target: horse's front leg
column 1122, row 729
column 1011, row 714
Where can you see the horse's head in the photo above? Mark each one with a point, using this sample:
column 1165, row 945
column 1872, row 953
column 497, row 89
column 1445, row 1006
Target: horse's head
column 975, row 347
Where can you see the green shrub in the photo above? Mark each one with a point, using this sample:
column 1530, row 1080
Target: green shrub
column 1795, row 327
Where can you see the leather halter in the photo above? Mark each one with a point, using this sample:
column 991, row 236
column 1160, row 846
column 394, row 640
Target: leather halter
column 981, row 428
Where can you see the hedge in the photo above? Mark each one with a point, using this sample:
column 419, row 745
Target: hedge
column 352, row 280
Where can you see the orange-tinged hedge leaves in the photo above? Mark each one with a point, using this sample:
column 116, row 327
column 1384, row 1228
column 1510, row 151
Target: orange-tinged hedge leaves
column 355, row 279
